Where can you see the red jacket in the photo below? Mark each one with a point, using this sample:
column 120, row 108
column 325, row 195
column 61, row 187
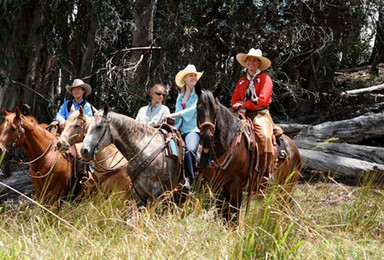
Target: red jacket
column 263, row 86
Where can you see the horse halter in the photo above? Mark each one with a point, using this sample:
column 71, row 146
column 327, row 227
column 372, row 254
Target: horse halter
column 210, row 124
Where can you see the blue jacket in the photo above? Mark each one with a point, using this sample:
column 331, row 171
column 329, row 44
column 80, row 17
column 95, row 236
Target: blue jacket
column 64, row 113
column 188, row 120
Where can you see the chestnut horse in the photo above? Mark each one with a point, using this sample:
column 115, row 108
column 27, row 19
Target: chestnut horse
column 52, row 173
column 227, row 142
column 109, row 164
column 151, row 167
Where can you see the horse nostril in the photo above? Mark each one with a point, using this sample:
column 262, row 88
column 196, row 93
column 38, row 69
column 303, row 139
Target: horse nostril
column 58, row 145
column 83, row 151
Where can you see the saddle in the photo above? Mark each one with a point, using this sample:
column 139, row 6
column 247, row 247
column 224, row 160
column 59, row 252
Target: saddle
column 81, row 171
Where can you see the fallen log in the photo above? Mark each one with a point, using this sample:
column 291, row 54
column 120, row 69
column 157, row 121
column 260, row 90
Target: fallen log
column 19, row 181
column 343, row 166
column 353, row 130
column 373, row 89
column 370, row 154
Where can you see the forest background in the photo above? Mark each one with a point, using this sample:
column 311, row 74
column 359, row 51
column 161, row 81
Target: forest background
column 121, row 48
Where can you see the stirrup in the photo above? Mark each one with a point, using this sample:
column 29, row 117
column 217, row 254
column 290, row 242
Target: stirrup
column 282, row 155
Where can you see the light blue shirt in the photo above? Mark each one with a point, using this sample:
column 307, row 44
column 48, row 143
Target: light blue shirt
column 152, row 115
column 188, row 120
column 63, row 113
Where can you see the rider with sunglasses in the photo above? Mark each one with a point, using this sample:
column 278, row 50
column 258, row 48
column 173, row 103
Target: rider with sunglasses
column 155, row 111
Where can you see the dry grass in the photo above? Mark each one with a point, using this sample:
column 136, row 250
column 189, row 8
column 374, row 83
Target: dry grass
column 328, row 220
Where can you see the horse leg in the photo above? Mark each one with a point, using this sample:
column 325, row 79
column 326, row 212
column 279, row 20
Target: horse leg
column 234, row 197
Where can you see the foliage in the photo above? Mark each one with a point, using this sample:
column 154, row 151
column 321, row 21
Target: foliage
column 307, row 42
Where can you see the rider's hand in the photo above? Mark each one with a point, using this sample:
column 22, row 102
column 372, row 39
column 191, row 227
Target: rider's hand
column 237, row 105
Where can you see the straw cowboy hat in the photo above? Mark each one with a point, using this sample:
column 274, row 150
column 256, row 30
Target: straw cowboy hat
column 181, row 74
column 265, row 63
column 81, row 84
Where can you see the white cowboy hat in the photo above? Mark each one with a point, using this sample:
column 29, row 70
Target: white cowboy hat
column 265, row 63
column 181, row 74
column 81, row 84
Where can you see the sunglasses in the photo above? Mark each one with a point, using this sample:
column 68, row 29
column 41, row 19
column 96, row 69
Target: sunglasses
column 160, row 94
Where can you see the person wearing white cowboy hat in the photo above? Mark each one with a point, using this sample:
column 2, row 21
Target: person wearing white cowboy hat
column 186, row 117
column 79, row 90
column 252, row 96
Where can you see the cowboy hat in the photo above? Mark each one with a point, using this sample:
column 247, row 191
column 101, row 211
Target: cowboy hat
column 181, row 74
column 81, row 84
column 265, row 63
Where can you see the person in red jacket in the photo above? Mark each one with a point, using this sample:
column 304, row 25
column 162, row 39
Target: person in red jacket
column 252, row 96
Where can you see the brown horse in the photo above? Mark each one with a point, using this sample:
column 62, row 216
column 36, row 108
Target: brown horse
column 52, row 173
column 227, row 142
column 109, row 164
column 152, row 167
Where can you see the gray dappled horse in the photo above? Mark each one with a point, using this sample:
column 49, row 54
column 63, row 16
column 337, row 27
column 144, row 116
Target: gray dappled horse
column 150, row 167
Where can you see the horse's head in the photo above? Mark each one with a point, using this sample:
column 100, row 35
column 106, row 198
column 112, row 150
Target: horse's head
column 11, row 130
column 98, row 135
column 74, row 131
column 207, row 109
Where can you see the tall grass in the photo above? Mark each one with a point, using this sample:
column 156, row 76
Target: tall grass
column 325, row 220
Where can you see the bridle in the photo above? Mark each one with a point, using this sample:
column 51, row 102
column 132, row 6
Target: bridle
column 20, row 130
column 211, row 125
column 80, row 131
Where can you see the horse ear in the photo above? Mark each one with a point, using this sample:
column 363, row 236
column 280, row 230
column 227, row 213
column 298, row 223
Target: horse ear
column 217, row 91
column 198, row 88
column 106, row 109
column 81, row 111
column 4, row 112
column 18, row 113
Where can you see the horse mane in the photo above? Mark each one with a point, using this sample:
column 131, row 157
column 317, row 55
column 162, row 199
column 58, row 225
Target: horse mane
column 32, row 120
column 228, row 125
column 127, row 122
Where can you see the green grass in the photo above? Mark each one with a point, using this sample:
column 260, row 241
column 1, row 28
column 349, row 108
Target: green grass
column 325, row 220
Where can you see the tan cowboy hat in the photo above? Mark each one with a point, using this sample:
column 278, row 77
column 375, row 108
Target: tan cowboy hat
column 79, row 83
column 265, row 63
column 181, row 74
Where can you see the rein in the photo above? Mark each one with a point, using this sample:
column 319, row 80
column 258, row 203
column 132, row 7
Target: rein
column 40, row 156
column 52, row 165
column 227, row 155
column 49, row 171
column 22, row 130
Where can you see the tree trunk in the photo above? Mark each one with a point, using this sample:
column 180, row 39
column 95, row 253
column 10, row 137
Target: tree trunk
column 90, row 18
column 25, row 52
column 142, row 37
column 378, row 49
